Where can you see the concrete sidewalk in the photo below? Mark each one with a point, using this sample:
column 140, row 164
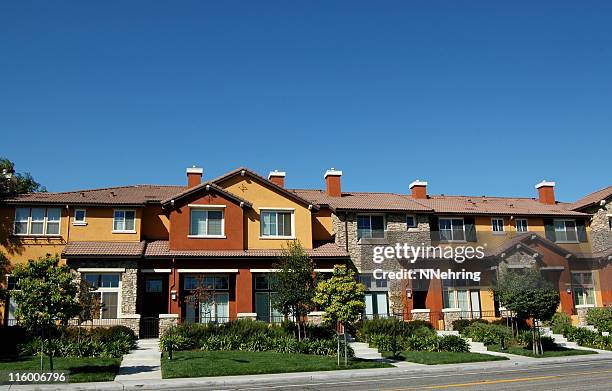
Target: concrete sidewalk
column 143, row 363
column 313, row 377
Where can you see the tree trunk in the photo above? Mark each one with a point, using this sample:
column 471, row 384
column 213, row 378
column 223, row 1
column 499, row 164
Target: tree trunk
column 51, row 361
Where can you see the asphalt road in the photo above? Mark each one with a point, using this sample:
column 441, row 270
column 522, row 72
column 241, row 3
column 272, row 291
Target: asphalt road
column 592, row 376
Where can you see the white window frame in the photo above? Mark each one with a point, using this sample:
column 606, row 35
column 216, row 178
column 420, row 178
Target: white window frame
column 464, row 240
column 414, row 219
column 565, row 230
column 503, row 225
column 45, row 221
column 124, row 231
column 207, row 208
column 384, row 217
column 108, row 290
column 291, row 211
column 583, row 286
column 516, row 225
column 84, row 221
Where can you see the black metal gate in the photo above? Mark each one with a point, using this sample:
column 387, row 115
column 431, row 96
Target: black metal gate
column 149, row 327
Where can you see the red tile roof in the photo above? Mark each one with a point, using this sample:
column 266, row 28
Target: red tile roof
column 591, row 199
column 159, row 249
column 364, row 201
column 202, row 186
column 104, row 249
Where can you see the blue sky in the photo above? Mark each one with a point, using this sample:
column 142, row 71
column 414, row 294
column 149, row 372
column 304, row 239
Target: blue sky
column 474, row 97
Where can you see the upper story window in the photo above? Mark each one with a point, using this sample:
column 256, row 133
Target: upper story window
column 521, row 225
column 370, row 226
column 206, row 222
column 566, row 231
column 451, row 229
column 37, row 221
column 80, row 216
column 497, row 224
column 124, row 221
column 277, row 223
column 411, row 221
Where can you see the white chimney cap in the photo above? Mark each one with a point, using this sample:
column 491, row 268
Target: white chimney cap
column 545, row 183
column 195, row 170
column 333, row 172
column 277, row 173
column 418, row 182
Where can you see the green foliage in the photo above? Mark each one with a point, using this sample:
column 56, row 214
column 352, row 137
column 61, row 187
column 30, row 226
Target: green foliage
column 460, row 324
column 585, row 337
column 560, row 322
column 420, row 343
column 391, row 326
column 527, row 293
column 108, row 342
column 489, row 334
column 88, row 302
column 12, row 183
column 294, row 282
column 601, row 318
column 341, row 296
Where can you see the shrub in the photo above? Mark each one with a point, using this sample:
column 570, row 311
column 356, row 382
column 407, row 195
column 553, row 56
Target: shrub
column 560, row 322
column 391, row 326
column 460, row 324
column 601, row 318
column 428, row 343
column 453, row 343
column 489, row 334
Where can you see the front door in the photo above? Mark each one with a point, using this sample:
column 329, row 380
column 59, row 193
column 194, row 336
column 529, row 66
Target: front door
column 155, row 302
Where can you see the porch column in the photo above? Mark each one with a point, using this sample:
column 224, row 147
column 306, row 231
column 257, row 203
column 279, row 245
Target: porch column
column 244, row 292
column 450, row 315
column 582, row 310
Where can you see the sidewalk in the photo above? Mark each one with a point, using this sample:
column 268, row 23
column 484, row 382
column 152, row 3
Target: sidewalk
column 143, row 363
column 312, row 377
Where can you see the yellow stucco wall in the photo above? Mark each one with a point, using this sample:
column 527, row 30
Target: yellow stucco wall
column 487, row 304
column 100, row 226
column 322, row 225
column 155, row 225
column 262, row 196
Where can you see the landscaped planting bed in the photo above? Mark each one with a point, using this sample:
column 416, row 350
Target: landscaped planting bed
column 434, row 358
column 80, row 369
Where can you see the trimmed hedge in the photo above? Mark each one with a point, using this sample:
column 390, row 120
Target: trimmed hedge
column 601, row 318
column 391, row 326
column 460, row 324
column 489, row 334
column 431, row 343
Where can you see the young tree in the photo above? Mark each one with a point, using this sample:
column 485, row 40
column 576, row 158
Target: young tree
column 341, row 297
column 526, row 293
column 294, row 283
column 12, row 183
column 48, row 296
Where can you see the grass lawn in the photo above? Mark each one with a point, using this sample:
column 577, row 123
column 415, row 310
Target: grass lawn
column 80, row 369
column 557, row 352
column 433, row 358
column 226, row 363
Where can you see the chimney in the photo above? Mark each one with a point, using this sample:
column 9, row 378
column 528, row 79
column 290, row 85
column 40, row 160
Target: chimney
column 277, row 177
column 332, row 180
column 194, row 176
column 546, row 192
column 418, row 189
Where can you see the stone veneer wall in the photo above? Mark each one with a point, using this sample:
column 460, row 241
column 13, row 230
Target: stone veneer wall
column 601, row 236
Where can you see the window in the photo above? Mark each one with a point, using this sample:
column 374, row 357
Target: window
column 12, row 283
column 207, row 223
column 277, row 223
column 215, row 307
column 106, row 289
column 497, row 224
column 154, row 285
column 370, row 226
column 457, row 294
column 37, row 221
column 452, row 229
column 566, row 231
column 264, row 298
column 79, row 216
column 583, row 287
column 376, row 305
column 521, row 225
column 124, row 221
column 411, row 221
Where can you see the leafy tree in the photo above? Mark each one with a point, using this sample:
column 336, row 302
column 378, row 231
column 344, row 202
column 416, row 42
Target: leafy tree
column 48, row 297
column 295, row 283
column 526, row 293
column 12, row 183
column 341, row 297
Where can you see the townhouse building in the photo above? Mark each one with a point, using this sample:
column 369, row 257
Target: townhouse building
column 146, row 248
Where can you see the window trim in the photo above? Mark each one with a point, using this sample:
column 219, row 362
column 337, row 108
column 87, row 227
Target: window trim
column 117, row 290
column 45, row 222
column 84, row 221
column 124, row 231
column 464, row 240
column 526, row 224
column 384, row 216
column 291, row 212
column 414, row 219
column 565, row 227
column 208, row 208
column 503, row 226
column 574, row 286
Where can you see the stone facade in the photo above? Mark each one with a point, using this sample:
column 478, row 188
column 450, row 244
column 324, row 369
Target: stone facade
column 450, row 315
column 601, row 235
column 316, row 317
column 420, row 315
column 167, row 321
column 581, row 311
